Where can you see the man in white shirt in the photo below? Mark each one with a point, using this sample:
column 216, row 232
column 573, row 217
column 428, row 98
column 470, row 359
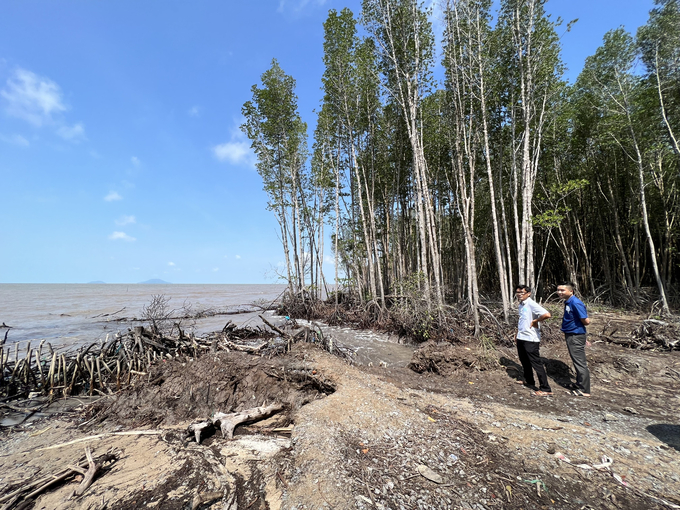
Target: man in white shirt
column 529, row 339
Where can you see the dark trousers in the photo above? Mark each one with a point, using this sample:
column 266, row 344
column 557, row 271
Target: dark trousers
column 531, row 360
column 577, row 350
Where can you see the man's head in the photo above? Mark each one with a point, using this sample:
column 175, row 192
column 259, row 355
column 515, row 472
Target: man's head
column 565, row 291
column 522, row 292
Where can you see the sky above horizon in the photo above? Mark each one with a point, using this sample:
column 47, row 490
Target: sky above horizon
column 120, row 154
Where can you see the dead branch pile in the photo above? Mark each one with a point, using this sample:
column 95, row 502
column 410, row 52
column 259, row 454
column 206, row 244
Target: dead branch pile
column 111, row 365
column 22, row 495
column 658, row 335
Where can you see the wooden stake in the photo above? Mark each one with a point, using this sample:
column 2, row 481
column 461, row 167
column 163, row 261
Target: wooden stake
column 14, row 370
column 63, row 364
column 37, row 362
column 90, row 367
column 58, row 370
column 105, row 365
column 76, row 369
column 117, row 375
column 50, row 376
column 27, row 364
column 99, row 373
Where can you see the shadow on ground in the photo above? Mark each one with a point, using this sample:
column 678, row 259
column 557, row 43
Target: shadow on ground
column 666, row 432
column 557, row 370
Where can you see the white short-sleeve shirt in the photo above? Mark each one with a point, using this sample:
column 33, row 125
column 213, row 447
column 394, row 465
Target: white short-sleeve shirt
column 528, row 311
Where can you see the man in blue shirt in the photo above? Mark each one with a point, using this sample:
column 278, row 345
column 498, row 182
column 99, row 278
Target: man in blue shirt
column 574, row 324
column 529, row 338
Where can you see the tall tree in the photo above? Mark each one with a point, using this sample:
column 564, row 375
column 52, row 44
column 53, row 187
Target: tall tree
column 405, row 44
column 532, row 57
column 278, row 138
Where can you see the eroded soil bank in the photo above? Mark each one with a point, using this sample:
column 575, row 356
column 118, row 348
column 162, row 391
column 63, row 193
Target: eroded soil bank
column 461, row 434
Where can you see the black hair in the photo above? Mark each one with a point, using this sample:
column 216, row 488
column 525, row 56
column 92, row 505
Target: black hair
column 570, row 285
column 525, row 288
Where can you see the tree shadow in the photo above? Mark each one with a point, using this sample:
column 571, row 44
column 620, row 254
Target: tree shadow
column 666, row 432
column 557, row 370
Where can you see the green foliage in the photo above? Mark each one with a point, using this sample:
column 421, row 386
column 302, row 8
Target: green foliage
column 277, row 133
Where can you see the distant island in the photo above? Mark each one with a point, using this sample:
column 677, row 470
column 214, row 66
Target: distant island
column 97, row 281
column 154, row 281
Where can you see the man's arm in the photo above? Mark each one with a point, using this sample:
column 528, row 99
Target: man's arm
column 582, row 313
column 546, row 315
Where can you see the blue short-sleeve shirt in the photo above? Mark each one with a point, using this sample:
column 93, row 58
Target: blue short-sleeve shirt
column 574, row 311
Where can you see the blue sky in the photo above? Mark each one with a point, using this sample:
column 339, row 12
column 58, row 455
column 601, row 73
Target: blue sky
column 120, row 154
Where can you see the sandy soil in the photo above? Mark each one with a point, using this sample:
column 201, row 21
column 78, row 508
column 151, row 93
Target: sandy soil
column 372, row 437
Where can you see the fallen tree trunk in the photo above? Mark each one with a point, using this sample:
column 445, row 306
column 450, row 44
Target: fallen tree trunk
column 228, row 422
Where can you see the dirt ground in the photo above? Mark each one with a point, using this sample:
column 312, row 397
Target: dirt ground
column 460, row 435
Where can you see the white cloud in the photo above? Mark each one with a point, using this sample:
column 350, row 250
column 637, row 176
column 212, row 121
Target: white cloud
column 135, row 161
column 329, row 260
column 122, row 236
column 15, row 140
column 112, row 196
column 236, row 150
column 299, row 5
column 215, row 269
column 126, row 220
column 75, row 133
column 32, row 98
column 171, row 264
column 193, row 111
column 238, row 256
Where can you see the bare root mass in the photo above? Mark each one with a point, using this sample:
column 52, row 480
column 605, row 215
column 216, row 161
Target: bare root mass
column 180, row 390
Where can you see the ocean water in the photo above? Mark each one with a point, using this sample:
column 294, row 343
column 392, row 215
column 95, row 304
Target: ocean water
column 71, row 314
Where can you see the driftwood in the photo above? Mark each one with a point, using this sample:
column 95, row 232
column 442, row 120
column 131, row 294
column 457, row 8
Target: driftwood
column 99, row 436
column 92, row 470
column 205, row 497
column 274, row 328
column 244, row 348
column 228, row 422
column 30, row 490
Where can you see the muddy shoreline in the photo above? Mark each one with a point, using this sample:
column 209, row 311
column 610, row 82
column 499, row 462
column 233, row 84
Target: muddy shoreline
column 361, row 436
